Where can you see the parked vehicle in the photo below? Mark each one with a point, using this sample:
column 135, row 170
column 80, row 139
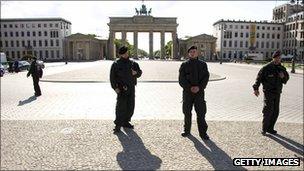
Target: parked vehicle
column 22, row 65
column 3, row 60
column 2, row 70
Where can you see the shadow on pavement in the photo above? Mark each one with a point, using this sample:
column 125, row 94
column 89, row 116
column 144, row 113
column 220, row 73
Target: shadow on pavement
column 216, row 156
column 289, row 144
column 29, row 100
column 135, row 156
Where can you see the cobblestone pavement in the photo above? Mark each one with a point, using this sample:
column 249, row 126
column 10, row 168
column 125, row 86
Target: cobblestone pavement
column 230, row 99
column 157, row 144
column 70, row 126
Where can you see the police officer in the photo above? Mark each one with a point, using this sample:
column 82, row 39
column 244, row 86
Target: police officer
column 272, row 76
column 36, row 72
column 123, row 78
column 193, row 78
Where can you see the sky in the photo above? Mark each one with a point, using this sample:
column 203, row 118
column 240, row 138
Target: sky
column 91, row 17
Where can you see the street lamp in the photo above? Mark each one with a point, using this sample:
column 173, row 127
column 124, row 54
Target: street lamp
column 222, row 41
column 295, row 35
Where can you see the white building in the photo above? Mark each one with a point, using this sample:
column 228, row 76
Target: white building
column 41, row 37
column 242, row 37
column 235, row 39
column 294, row 35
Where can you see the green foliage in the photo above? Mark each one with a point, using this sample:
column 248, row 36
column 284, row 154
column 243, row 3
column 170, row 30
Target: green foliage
column 118, row 43
column 27, row 57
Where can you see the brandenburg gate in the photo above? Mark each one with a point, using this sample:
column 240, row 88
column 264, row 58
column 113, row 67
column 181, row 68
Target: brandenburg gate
column 143, row 22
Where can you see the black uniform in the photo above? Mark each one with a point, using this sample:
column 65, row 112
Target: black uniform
column 272, row 88
column 194, row 72
column 36, row 72
column 121, row 77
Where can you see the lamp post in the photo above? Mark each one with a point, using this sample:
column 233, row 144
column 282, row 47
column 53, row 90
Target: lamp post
column 296, row 2
column 222, row 41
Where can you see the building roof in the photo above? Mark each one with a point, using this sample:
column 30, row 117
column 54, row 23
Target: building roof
column 244, row 21
column 83, row 36
column 33, row 19
column 201, row 36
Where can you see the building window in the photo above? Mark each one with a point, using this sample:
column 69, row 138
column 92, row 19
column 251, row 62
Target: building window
column 224, row 43
column 241, row 35
column 18, row 54
column 5, row 34
column 56, row 25
column 11, row 34
column 235, row 43
column 46, row 54
column 51, row 25
column 44, row 25
column 267, row 44
column 247, row 34
column 23, row 43
column 13, row 54
column 230, row 43
column 258, row 35
column 11, row 26
column 39, row 33
column 273, row 36
column 5, row 26
column 34, row 34
column 40, row 54
column 40, row 43
column 22, row 34
column 1, row 44
column 263, row 35
column 268, row 28
column 17, row 34
column 278, row 45
column 258, row 27
column 45, row 43
column 242, row 26
column 268, row 35
column 273, row 28
column 263, row 28
column 6, row 43
column 58, row 56
column 278, row 36
column 12, row 43
column 262, row 45
column 57, row 43
column 28, row 34
column 272, row 45
column 241, row 44
column 247, row 27
column 17, row 43
column 39, row 25
column 45, row 33
column 52, row 54
column 236, row 34
column 28, row 43
column 279, row 28
column 51, row 43
column 34, row 43
column 257, row 44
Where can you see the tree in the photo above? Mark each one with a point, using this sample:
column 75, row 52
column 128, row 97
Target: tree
column 119, row 43
column 168, row 48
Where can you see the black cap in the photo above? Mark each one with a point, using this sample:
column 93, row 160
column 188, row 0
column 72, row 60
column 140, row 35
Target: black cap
column 277, row 53
column 122, row 50
column 192, row 47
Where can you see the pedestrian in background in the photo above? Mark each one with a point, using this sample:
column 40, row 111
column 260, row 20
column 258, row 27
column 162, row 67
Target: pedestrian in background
column 36, row 72
column 123, row 77
column 272, row 76
column 193, row 78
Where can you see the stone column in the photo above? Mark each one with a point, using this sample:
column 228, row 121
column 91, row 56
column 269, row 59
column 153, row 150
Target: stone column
column 175, row 46
column 123, row 37
column 135, row 41
column 150, row 44
column 162, row 45
column 111, row 53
